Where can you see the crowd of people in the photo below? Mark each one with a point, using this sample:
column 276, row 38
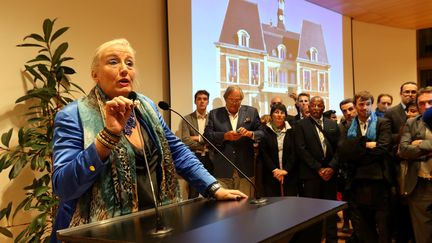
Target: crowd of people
column 380, row 163
column 114, row 154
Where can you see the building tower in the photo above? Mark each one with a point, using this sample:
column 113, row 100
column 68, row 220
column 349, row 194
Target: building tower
column 280, row 14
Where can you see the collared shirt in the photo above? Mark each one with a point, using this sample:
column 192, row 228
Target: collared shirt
column 280, row 136
column 364, row 126
column 201, row 123
column 233, row 119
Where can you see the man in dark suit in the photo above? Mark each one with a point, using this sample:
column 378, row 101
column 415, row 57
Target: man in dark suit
column 316, row 141
column 384, row 101
column 416, row 147
column 364, row 148
column 234, row 129
column 397, row 117
column 192, row 139
column 302, row 101
column 397, row 114
column 349, row 112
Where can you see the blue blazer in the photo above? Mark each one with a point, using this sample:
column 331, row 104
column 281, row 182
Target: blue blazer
column 241, row 152
column 72, row 178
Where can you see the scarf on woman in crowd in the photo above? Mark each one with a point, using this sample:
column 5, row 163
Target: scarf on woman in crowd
column 371, row 131
column 114, row 192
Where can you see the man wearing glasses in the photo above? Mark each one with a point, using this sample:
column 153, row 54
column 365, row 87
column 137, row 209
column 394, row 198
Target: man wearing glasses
column 397, row 116
column 234, row 129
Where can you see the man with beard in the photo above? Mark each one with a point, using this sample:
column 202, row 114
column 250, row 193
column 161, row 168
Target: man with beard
column 364, row 149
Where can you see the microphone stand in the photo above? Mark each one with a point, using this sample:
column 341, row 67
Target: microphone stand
column 160, row 228
column 257, row 199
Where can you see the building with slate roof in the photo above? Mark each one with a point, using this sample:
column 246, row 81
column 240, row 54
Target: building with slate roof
column 266, row 60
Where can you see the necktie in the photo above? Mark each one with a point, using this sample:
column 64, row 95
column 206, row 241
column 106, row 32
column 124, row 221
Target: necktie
column 322, row 138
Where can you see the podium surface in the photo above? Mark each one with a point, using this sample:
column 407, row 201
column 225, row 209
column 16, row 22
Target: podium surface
column 201, row 220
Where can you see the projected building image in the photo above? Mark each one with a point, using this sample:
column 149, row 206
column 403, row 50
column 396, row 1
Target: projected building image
column 266, row 59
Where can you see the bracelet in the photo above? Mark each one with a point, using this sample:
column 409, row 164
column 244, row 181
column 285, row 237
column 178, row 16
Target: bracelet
column 108, row 139
column 118, row 136
column 211, row 191
column 104, row 142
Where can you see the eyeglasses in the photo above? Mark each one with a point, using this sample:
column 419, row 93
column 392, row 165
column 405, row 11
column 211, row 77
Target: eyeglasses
column 233, row 101
column 407, row 92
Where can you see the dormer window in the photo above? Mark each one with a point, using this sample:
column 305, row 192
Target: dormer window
column 313, row 52
column 243, row 38
column 281, row 51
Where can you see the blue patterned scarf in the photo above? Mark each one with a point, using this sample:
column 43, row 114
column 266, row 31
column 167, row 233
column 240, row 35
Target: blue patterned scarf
column 114, row 193
column 371, row 131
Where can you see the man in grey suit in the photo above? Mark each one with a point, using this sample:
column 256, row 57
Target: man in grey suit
column 397, row 116
column 192, row 139
column 416, row 147
column 234, row 129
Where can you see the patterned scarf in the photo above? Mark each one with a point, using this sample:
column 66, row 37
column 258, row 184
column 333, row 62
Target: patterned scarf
column 371, row 131
column 114, row 193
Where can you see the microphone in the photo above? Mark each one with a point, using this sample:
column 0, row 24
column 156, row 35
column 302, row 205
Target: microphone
column 257, row 200
column 132, row 95
column 160, row 228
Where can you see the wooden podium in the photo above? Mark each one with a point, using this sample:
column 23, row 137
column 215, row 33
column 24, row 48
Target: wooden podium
column 201, row 220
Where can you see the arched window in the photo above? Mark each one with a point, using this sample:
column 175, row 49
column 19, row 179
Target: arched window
column 313, row 54
column 243, row 38
column 281, row 51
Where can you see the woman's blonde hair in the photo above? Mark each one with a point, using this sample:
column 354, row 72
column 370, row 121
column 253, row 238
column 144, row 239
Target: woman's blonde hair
column 104, row 46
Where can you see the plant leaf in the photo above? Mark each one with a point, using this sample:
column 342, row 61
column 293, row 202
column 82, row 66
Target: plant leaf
column 58, row 33
column 40, row 190
column 2, row 163
column 5, row 138
column 6, row 211
column 78, row 87
column 5, row 232
column 32, row 71
column 21, row 205
column 40, row 58
column 17, row 167
column 30, row 45
column 21, row 136
column 60, row 74
column 59, row 51
column 35, row 37
column 68, row 70
column 19, row 238
column 47, row 29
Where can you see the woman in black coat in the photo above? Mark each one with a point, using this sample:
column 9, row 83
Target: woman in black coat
column 277, row 154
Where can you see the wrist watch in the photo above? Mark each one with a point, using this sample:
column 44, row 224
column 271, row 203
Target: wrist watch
column 212, row 189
